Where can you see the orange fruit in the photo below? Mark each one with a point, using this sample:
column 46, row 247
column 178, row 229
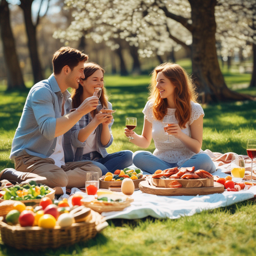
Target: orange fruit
column 158, row 171
column 121, row 173
column 38, row 215
column 19, row 206
column 228, row 177
column 108, row 178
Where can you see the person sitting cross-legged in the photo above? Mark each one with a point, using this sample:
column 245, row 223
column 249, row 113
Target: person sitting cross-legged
column 37, row 147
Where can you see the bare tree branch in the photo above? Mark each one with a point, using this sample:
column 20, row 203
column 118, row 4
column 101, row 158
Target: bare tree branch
column 183, row 21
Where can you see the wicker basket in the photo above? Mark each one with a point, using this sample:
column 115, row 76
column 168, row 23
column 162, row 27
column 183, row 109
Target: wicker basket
column 36, row 238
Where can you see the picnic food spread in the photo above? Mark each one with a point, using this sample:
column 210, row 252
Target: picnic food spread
column 125, row 173
column 25, row 192
column 113, row 181
column 231, row 185
column 78, row 209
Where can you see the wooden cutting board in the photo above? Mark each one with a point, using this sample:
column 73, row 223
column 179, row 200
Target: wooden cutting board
column 147, row 187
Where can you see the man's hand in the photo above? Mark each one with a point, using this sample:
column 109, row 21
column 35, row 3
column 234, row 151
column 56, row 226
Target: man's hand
column 88, row 105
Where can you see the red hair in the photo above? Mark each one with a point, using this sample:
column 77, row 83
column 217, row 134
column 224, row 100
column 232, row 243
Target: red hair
column 184, row 93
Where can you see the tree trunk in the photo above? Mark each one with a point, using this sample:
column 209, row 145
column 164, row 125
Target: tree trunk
column 26, row 6
column 113, row 63
column 172, row 55
column 205, row 66
column 123, row 69
column 253, row 80
column 160, row 59
column 82, row 44
column 136, row 68
column 14, row 74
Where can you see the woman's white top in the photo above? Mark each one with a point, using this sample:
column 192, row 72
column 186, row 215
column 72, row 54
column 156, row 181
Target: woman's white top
column 173, row 151
column 90, row 143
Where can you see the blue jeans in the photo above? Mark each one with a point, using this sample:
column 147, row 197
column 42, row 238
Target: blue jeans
column 146, row 161
column 111, row 162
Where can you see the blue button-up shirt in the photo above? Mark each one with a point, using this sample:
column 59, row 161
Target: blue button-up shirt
column 36, row 129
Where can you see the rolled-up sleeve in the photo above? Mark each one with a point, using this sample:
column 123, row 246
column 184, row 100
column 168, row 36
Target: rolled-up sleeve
column 74, row 136
column 42, row 105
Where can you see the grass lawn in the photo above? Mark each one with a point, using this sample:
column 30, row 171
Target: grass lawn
column 225, row 231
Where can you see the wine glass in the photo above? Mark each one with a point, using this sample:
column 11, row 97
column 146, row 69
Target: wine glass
column 97, row 92
column 251, row 152
column 131, row 123
column 167, row 122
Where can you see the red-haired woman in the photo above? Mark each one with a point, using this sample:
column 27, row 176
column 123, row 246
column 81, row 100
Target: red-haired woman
column 173, row 101
column 92, row 134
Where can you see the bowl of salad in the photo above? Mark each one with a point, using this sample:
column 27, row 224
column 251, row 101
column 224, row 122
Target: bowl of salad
column 115, row 179
column 26, row 193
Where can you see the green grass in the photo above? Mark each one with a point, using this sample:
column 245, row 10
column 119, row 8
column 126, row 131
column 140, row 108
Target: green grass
column 226, row 231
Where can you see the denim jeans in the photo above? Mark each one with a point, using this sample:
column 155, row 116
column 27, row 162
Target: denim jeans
column 146, row 161
column 111, row 162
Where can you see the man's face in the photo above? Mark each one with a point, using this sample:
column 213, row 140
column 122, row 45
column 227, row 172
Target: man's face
column 74, row 76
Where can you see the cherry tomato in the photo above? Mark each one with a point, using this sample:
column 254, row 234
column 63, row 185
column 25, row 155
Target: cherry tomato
column 221, row 181
column 63, row 204
column 117, row 172
column 45, row 201
column 229, row 184
column 76, row 199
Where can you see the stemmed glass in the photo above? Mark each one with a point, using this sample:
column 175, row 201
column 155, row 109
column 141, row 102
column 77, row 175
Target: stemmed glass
column 97, row 92
column 131, row 123
column 167, row 122
column 251, row 152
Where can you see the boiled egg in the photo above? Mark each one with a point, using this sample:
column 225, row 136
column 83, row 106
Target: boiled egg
column 65, row 220
column 127, row 186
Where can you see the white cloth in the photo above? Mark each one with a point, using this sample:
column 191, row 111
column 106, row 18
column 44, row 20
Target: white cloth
column 174, row 151
column 174, row 207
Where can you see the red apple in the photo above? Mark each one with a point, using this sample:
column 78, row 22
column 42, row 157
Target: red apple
column 26, row 218
column 53, row 210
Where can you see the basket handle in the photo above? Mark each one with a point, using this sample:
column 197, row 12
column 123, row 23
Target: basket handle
column 101, row 226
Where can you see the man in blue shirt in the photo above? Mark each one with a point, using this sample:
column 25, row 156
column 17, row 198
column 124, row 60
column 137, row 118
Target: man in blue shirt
column 37, row 147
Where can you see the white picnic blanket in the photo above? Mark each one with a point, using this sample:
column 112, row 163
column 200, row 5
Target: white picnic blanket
column 174, row 207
